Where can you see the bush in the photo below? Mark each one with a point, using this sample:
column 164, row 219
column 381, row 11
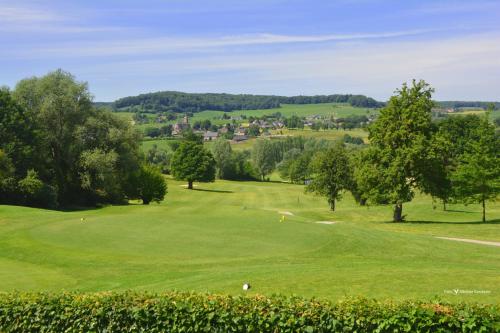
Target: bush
column 147, row 184
column 190, row 312
column 36, row 193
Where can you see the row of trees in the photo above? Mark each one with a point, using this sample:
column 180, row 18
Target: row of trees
column 57, row 149
column 173, row 101
column 455, row 160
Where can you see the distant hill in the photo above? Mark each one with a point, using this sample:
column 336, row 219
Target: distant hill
column 181, row 102
column 192, row 102
column 467, row 104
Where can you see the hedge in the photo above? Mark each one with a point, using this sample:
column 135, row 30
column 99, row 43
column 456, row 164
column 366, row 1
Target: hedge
column 192, row 312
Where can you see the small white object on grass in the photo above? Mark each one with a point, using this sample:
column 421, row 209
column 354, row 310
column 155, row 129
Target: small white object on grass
column 246, row 286
column 82, row 219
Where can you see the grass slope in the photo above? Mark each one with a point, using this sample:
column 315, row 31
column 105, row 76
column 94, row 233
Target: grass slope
column 223, row 234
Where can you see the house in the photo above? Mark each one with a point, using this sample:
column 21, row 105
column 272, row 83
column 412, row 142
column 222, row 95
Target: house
column 179, row 127
column 209, row 136
column 278, row 124
column 241, row 131
column 238, row 137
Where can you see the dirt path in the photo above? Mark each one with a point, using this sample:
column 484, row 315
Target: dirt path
column 471, row 241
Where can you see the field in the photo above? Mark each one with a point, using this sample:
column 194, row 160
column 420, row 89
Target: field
column 286, row 110
column 164, row 144
column 223, row 234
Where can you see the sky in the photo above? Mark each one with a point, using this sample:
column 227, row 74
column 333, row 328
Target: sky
column 294, row 47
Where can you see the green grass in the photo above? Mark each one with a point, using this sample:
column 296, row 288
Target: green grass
column 162, row 144
column 226, row 233
column 287, row 110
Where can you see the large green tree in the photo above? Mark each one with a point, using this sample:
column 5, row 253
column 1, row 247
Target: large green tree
column 51, row 127
column 222, row 153
column 18, row 137
column 192, row 162
column 263, row 157
column 449, row 142
column 398, row 154
column 477, row 176
column 331, row 174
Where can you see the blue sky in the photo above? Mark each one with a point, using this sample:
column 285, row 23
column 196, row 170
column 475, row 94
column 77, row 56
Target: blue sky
column 125, row 47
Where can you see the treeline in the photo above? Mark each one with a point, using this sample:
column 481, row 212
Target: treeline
column 468, row 104
column 354, row 100
column 180, row 102
column 57, row 149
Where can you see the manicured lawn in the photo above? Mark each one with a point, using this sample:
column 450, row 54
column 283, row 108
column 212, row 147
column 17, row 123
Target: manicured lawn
column 223, row 234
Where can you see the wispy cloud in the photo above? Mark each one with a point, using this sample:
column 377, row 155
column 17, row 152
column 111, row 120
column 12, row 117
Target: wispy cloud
column 164, row 45
column 23, row 18
column 455, row 66
column 22, row 15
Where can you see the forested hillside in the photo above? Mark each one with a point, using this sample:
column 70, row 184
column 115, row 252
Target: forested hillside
column 189, row 102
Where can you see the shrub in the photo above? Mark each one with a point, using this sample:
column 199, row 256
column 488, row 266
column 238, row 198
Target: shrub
column 191, row 312
column 147, row 184
column 36, row 193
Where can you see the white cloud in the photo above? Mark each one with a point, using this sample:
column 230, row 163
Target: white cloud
column 165, row 45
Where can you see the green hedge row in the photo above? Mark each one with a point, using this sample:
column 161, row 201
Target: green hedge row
column 190, row 312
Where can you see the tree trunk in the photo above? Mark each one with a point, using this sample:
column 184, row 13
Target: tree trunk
column 444, row 205
column 190, row 184
column 484, row 211
column 332, row 205
column 398, row 213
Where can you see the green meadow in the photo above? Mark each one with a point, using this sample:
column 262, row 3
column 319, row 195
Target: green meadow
column 223, row 234
column 287, row 110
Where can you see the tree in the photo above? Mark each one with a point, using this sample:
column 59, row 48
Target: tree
column 299, row 170
column 6, row 167
column 330, row 174
column 59, row 105
column 254, row 130
column 148, row 184
column 222, row 153
column 286, row 163
column 159, row 158
column 35, row 192
column 263, row 157
column 52, row 127
column 477, row 176
column 398, row 154
column 18, row 138
column 98, row 176
column 192, row 162
column 449, row 142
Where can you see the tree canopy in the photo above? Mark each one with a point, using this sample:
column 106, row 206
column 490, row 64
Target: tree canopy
column 175, row 101
column 61, row 148
column 192, row 162
column 399, row 138
column 331, row 174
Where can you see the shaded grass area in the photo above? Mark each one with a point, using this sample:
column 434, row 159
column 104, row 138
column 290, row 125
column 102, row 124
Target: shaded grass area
column 215, row 238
